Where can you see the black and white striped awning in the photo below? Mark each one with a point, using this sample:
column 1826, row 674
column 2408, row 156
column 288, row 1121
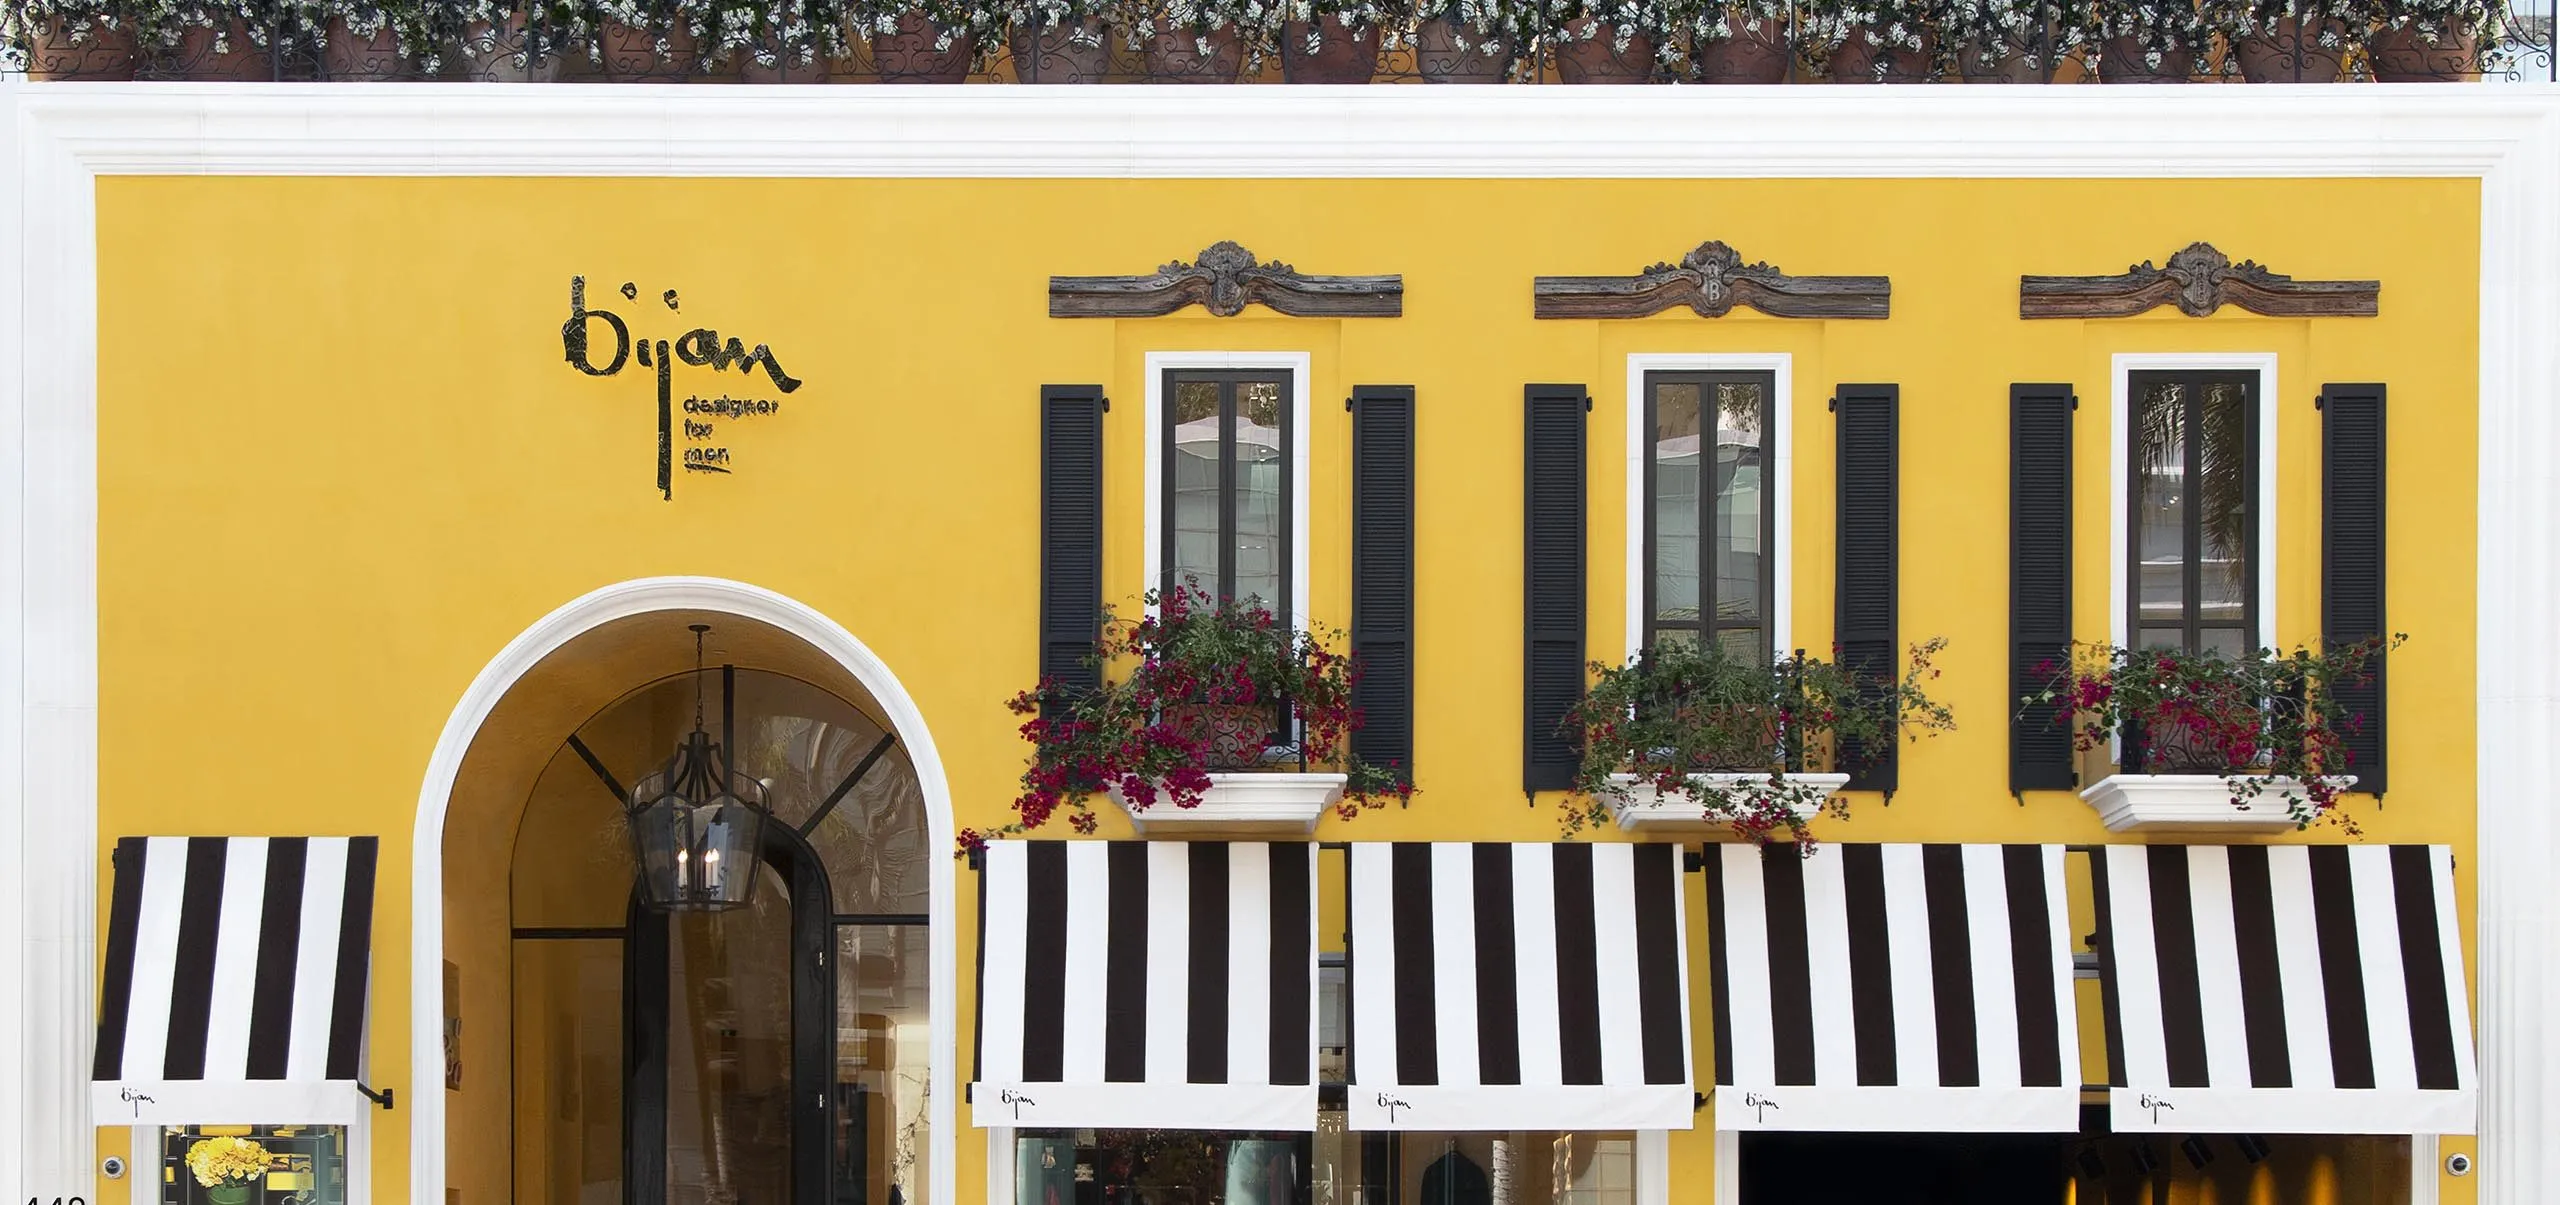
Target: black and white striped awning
column 1147, row 985
column 235, row 979
column 1518, row 987
column 1892, row 988
column 2285, row 989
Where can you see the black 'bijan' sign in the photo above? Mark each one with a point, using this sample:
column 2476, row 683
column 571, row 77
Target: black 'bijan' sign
column 701, row 347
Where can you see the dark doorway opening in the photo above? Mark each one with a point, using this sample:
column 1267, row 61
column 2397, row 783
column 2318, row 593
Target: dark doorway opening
column 1905, row 1169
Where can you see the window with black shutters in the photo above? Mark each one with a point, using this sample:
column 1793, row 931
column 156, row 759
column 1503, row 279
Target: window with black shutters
column 1226, row 484
column 2193, row 511
column 1710, row 529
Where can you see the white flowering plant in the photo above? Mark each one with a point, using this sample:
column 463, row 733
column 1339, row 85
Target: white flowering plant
column 1385, row 16
column 953, row 20
column 1760, row 20
column 83, row 22
column 1621, row 22
column 2435, row 20
column 523, row 31
column 2157, row 29
column 789, row 33
column 719, row 29
column 1028, row 15
column 2039, row 33
column 2327, row 24
column 1256, row 21
column 1487, row 27
column 1881, row 24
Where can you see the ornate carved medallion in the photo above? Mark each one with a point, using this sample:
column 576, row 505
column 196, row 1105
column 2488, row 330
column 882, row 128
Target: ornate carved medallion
column 2199, row 280
column 1711, row 281
column 1226, row 279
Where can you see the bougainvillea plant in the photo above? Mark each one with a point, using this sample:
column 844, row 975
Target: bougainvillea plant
column 2266, row 721
column 1679, row 712
column 1189, row 654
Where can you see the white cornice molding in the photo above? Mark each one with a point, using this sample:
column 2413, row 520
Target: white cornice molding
column 1372, row 131
column 58, row 137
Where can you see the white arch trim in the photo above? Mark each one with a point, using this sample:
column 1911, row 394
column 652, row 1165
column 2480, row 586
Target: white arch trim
column 618, row 601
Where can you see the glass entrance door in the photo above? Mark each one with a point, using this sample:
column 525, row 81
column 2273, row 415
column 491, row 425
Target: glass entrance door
column 729, row 1052
column 731, row 1044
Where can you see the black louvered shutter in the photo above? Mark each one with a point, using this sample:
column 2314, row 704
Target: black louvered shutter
column 1864, row 606
column 1070, row 532
column 2351, row 581
column 1382, row 572
column 2039, row 582
column 1555, row 462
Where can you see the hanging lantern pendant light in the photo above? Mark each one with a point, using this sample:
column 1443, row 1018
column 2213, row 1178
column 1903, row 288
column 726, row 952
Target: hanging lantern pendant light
column 696, row 826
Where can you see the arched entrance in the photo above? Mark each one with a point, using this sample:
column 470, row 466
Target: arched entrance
column 616, row 658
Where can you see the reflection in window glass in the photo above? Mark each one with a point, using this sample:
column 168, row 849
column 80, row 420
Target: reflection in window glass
column 568, row 1070
column 2192, row 513
column 253, row 1165
column 729, row 1051
column 883, row 1039
column 1475, row 1168
column 1707, row 518
column 1162, row 1167
column 1259, row 539
column 1196, row 470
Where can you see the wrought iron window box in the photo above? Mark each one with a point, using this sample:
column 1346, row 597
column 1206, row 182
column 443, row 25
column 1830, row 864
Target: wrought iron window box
column 1644, row 810
column 1246, row 801
column 2172, row 803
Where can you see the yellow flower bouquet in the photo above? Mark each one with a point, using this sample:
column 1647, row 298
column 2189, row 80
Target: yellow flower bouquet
column 228, row 1168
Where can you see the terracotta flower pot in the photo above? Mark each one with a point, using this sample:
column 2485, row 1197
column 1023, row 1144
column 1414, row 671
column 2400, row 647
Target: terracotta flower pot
column 2406, row 55
column 506, row 54
column 1859, row 60
column 1062, row 54
column 2125, row 60
column 637, row 55
column 2290, row 54
column 1447, row 51
column 227, row 54
column 81, row 50
column 1748, row 56
column 1342, row 54
column 1589, row 54
column 919, row 54
column 348, row 55
column 1234, row 735
column 1185, row 57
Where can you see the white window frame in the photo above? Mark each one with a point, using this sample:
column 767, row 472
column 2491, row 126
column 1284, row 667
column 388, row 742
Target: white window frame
column 142, row 1163
column 2120, row 478
column 1779, row 481
column 1301, row 414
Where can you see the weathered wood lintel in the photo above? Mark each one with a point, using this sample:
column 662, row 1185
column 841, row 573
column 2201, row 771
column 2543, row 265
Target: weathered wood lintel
column 1711, row 281
column 2198, row 280
column 1226, row 279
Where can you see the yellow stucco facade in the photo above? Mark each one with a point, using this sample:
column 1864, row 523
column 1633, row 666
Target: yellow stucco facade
column 341, row 463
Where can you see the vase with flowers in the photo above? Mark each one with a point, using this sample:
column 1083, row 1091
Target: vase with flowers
column 2212, row 739
column 228, row 1168
column 1877, row 41
column 1692, row 735
column 1220, row 715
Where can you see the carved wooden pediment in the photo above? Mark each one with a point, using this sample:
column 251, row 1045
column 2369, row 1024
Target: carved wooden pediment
column 1712, row 280
column 2198, row 280
column 1226, row 279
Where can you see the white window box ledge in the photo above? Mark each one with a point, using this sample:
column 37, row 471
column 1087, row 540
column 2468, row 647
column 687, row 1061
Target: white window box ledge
column 2173, row 803
column 1245, row 802
column 1645, row 810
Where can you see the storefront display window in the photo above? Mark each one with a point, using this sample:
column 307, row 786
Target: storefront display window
column 1330, row 1167
column 253, row 1165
